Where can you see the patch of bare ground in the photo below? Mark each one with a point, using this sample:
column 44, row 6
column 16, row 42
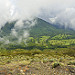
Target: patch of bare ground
column 37, row 68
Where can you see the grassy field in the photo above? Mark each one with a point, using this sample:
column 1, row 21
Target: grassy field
column 60, row 61
column 39, row 56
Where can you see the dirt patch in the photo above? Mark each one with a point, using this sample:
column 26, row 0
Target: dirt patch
column 38, row 68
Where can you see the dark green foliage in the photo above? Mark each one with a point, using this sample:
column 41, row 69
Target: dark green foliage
column 41, row 28
column 42, row 42
column 43, row 36
column 6, row 30
column 71, row 63
column 55, row 64
column 61, row 37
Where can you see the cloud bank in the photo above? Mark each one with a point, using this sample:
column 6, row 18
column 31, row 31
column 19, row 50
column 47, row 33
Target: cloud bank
column 61, row 12
column 54, row 11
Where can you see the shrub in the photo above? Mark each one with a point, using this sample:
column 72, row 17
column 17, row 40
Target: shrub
column 71, row 63
column 55, row 64
column 52, row 60
column 45, row 60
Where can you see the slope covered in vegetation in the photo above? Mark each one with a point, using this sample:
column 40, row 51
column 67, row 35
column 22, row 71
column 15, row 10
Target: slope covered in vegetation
column 48, row 51
column 41, row 28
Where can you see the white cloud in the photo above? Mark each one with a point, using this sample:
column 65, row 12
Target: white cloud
column 66, row 18
column 64, row 10
column 14, row 33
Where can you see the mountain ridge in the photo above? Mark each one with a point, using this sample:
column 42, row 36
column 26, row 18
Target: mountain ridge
column 44, row 28
column 41, row 28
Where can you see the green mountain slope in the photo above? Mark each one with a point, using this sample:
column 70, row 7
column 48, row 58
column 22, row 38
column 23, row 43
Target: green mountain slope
column 42, row 28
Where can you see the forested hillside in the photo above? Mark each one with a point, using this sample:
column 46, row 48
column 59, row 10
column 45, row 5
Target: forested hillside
column 41, row 28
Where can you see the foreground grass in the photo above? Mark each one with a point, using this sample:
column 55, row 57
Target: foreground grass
column 21, row 62
column 37, row 62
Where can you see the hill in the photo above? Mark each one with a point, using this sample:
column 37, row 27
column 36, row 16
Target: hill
column 41, row 28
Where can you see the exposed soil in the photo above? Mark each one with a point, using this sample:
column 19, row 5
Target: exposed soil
column 37, row 68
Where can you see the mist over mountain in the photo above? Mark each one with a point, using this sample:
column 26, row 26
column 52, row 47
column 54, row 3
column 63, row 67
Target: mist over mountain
column 59, row 12
column 17, row 18
column 41, row 28
column 45, row 28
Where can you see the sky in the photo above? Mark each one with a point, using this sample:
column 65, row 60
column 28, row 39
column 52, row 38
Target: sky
column 60, row 12
column 57, row 12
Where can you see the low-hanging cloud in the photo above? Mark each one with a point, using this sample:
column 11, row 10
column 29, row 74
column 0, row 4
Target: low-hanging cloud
column 61, row 12
column 54, row 11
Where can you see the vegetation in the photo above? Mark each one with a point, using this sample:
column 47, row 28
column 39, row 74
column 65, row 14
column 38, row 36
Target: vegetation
column 55, row 64
column 41, row 28
column 46, row 52
column 21, row 61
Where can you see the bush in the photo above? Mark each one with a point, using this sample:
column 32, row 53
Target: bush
column 71, row 63
column 52, row 60
column 55, row 64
